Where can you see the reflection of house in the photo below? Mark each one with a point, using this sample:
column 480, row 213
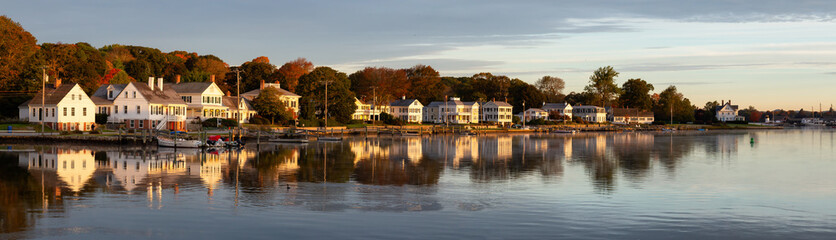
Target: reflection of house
column 629, row 115
column 132, row 168
column 727, row 112
column 368, row 149
column 65, row 107
column 407, row 148
column 496, row 112
column 452, row 111
column 408, row 110
column 559, row 109
column 590, row 113
column 533, row 113
column 148, row 106
column 290, row 100
column 73, row 167
column 499, row 148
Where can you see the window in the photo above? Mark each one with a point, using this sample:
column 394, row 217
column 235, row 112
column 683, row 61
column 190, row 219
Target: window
column 83, row 111
column 141, row 123
column 72, row 96
column 33, row 112
column 134, row 93
column 110, row 94
column 132, row 123
column 137, row 109
column 115, row 109
column 72, row 112
column 65, row 112
column 125, row 109
column 53, row 112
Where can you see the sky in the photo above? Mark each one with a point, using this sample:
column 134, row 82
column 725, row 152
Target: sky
column 764, row 53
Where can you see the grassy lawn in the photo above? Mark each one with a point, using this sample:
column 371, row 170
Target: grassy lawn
column 25, row 126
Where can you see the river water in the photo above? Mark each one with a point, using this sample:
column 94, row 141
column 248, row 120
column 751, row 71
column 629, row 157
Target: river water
column 771, row 184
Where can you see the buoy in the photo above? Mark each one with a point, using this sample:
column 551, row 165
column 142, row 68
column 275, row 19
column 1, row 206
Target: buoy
column 752, row 140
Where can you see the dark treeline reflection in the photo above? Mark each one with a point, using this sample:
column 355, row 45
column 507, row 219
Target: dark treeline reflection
column 320, row 175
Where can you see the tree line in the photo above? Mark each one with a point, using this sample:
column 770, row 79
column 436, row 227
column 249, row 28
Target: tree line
column 23, row 60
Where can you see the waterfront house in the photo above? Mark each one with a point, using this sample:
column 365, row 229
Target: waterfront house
column 150, row 106
column 499, row 113
column 590, row 113
column 63, row 107
column 291, row 100
column 237, row 106
column 362, row 111
column 452, row 111
column 727, row 112
column 204, row 99
column 103, row 98
column 629, row 115
column 533, row 113
column 408, row 110
column 558, row 109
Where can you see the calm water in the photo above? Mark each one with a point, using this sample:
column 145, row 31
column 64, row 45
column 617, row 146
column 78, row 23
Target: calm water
column 698, row 185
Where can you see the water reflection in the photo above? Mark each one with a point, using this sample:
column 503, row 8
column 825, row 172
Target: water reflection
column 373, row 174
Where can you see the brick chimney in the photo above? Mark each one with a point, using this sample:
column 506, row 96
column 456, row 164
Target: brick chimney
column 262, row 85
column 212, row 78
column 160, row 83
column 57, row 82
column 177, row 79
column 228, row 93
column 151, row 82
column 722, row 102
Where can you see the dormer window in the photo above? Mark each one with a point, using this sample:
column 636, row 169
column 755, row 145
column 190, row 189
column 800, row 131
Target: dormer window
column 110, row 94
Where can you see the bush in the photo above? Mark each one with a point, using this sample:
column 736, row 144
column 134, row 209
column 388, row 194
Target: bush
column 101, row 118
column 578, row 119
column 95, row 132
column 78, row 132
column 390, row 120
column 213, row 122
column 259, row 120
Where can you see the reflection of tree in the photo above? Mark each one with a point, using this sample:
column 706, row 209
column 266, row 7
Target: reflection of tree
column 633, row 152
column 19, row 192
column 339, row 166
column 599, row 165
column 670, row 149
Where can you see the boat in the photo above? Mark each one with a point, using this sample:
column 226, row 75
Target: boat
column 329, row 139
column 410, row 133
column 178, row 143
column 565, row 131
column 290, row 138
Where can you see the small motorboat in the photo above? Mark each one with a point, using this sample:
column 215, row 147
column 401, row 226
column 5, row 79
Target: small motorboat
column 178, row 143
column 565, row 131
column 290, row 138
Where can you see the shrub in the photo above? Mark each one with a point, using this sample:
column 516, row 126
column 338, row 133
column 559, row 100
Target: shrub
column 213, row 122
column 259, row 120
column 101, row 118
column 390, row 120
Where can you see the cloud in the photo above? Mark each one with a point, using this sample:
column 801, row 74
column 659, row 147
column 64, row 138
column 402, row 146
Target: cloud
column 664, row 67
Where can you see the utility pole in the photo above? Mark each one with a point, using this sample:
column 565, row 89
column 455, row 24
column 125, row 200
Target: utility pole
column 238, row 97
column 523, row 120
column 326, row 103
column 671, row 113
column 43, row 98
column 446, row 112
column 374, row 103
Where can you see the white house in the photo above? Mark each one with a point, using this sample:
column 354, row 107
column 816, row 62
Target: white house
column 291, row 100
column 150, row 106
column 533, row 113
column 408, row 110
column 727, row 112
column 499, row 113
column 362, row 111
column 629, row 115
column 103, row 98
column 62, row 107
column 204, row 100
column 244, row 107
column 452, row 111
column 590, row 113
column 560, row 109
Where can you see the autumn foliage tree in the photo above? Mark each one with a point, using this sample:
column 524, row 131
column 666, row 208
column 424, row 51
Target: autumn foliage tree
column 289, row 73
column 312, row 89
column 384, row 83
column 425, row 83
column 16, row 46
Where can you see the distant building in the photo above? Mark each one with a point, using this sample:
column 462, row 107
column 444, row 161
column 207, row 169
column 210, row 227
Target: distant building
column 629, row 115
column 291, row 100
column 727, row 112
column 453, row 111
column 561, row 109
column 499, row 113
column 590, row 113
column 62, row 107
column 533, row 113
column 408, row 110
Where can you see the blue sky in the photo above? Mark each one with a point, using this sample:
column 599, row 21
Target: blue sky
column 768, row 54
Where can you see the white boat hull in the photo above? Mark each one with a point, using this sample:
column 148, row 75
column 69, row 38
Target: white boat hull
column 180, row 143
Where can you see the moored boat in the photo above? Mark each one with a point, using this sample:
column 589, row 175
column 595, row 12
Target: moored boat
column 178, row 143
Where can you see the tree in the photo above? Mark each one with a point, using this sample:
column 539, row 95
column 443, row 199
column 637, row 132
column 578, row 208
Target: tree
column 252, row 74
column 488, row 86
column 289, row 73
column 581, row 98
column 636, row 94
column 16, row 45
column 671, row 100
column 425, row 83
column 268, row 103
column 552, row 87
column 602, row 85
column 385, row 83
column 312, row 89
column 522, row 92
column 207, row 65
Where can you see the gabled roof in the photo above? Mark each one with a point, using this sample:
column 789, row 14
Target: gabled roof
column 100, row 101
column 434, row 104
column 497, row 103
column 190, row 87
column 536, row 110
column 53, row 95
column 403, row 102
column 102, row 90
column 588, row 106
column 254, row 93
column 229, row 101
column 155, row 96
column 733, row 107
column 470, row 103
column 556, row 105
